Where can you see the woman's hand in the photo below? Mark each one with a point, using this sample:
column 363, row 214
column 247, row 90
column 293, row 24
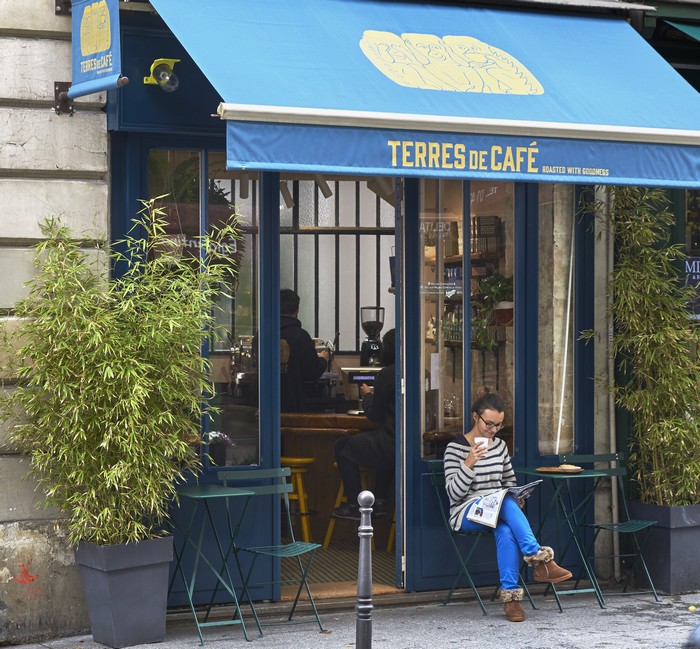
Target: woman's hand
column 476, row 453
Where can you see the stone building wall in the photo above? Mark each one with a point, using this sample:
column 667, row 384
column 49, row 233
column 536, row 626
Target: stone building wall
column 50, row 164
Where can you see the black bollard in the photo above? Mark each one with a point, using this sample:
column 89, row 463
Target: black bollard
column 363, row 627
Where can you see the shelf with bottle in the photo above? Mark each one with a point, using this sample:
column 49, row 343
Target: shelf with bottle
column 479, row 259
column 452, row 323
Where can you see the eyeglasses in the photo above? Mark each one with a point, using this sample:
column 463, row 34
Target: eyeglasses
column 490, row 424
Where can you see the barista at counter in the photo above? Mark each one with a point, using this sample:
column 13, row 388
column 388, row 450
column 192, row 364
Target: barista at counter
column 298, row 357
column 374, row 449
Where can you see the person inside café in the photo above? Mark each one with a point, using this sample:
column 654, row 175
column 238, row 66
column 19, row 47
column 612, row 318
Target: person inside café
column 298, row 358
column 375, row 448
column 473, row 469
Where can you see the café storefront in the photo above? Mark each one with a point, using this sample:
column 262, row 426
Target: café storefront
column 406, row 156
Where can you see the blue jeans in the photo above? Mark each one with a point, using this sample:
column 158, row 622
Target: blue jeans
column 514, row 538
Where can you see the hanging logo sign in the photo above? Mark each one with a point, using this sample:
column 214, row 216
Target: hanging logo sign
column 96, row 47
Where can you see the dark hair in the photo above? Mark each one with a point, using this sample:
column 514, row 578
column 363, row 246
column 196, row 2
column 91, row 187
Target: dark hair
column 488, row 401
column 289, row 302
column 389, row 347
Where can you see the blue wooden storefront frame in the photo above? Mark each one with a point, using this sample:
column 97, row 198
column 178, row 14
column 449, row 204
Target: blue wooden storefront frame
column 158, row 122
column 428, row 555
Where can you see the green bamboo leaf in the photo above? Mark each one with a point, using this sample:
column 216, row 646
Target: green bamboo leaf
column 112, row 376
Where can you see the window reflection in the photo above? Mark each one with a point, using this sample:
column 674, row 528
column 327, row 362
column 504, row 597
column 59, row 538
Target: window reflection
column 556, row 339
column 444, row 280
column 175, row 174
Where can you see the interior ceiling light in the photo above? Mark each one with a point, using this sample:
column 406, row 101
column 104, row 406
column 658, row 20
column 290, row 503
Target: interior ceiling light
column 244, row 186
column 162, row 75
column 323, row 186
column 286, row 194
column 383, row 188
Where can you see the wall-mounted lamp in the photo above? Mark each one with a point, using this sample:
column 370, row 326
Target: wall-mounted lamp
column 286, row 194
column 162, row 75
column 323, row 186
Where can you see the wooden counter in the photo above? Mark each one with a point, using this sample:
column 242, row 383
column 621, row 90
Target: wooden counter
column 324, row 420
column 314, row 435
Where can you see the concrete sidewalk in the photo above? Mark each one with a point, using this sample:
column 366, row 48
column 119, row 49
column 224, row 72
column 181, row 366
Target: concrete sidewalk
column 408, row 622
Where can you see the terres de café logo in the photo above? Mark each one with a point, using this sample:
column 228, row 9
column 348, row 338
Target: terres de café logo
column 95, row 30
column 457, row 63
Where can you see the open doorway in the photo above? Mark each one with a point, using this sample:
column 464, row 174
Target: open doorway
column 337, row 239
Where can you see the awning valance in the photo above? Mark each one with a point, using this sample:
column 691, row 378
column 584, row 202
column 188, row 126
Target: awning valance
column 397, row 88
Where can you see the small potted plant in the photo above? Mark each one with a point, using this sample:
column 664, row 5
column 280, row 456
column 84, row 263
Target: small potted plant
column 497, row 292
column 111, row 384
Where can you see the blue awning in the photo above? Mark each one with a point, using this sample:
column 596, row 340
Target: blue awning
column 397, row 88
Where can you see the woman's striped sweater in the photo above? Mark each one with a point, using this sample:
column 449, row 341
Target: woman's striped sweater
column 465, row 485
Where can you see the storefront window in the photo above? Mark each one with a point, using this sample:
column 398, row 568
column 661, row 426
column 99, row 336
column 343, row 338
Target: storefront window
column 337, row 236
column 443, row 282
column 233, row 430
column 555, row 319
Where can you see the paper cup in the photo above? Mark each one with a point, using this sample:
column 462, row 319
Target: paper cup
column 479, row 441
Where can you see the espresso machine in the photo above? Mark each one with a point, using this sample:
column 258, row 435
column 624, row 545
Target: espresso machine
column 372, row 320
column 244, row 371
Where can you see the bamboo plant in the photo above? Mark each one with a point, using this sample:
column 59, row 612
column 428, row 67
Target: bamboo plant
column 111, row 376
column 655, row 343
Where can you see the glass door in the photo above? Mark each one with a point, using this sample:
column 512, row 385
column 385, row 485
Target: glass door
column 464, row 290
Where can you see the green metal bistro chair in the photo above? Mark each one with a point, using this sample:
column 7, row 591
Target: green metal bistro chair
column 613, row 465
column 464, row 557
column 276, row 482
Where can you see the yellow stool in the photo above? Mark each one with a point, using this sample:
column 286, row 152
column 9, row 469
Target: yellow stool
column 340, row 498
column 299, row 466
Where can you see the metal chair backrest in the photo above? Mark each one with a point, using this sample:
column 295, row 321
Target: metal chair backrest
column 612, row 464
column 437, row 479
column 277, row 482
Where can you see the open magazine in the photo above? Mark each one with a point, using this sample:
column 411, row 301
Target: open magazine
column 486, row 509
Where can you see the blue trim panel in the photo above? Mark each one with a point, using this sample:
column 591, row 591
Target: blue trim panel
column 526, row 237
column 584, row 288
column 425, row 154
column 414, row 384
column 269, row 348
column 398, row 307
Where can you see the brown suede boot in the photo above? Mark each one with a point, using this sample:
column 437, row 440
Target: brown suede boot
column 511, row 604
column 545, row 569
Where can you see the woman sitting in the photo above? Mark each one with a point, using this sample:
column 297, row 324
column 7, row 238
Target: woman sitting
column 472, row 471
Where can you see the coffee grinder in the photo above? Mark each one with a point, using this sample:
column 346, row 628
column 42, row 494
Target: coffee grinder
column 372, row 319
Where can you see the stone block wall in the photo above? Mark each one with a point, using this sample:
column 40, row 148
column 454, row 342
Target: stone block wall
column 50, row 164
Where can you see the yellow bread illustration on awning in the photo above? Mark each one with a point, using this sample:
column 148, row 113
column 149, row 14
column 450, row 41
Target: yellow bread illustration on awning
column 455, row 63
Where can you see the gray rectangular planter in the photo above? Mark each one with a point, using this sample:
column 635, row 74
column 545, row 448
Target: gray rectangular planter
column 671, row 548
column 126, row 590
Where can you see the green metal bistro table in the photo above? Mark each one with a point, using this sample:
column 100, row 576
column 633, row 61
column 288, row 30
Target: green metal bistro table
column 562, row 505
column 200, row 520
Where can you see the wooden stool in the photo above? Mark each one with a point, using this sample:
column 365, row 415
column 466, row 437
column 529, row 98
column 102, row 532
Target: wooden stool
column 340, row 498
column 299, row 466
